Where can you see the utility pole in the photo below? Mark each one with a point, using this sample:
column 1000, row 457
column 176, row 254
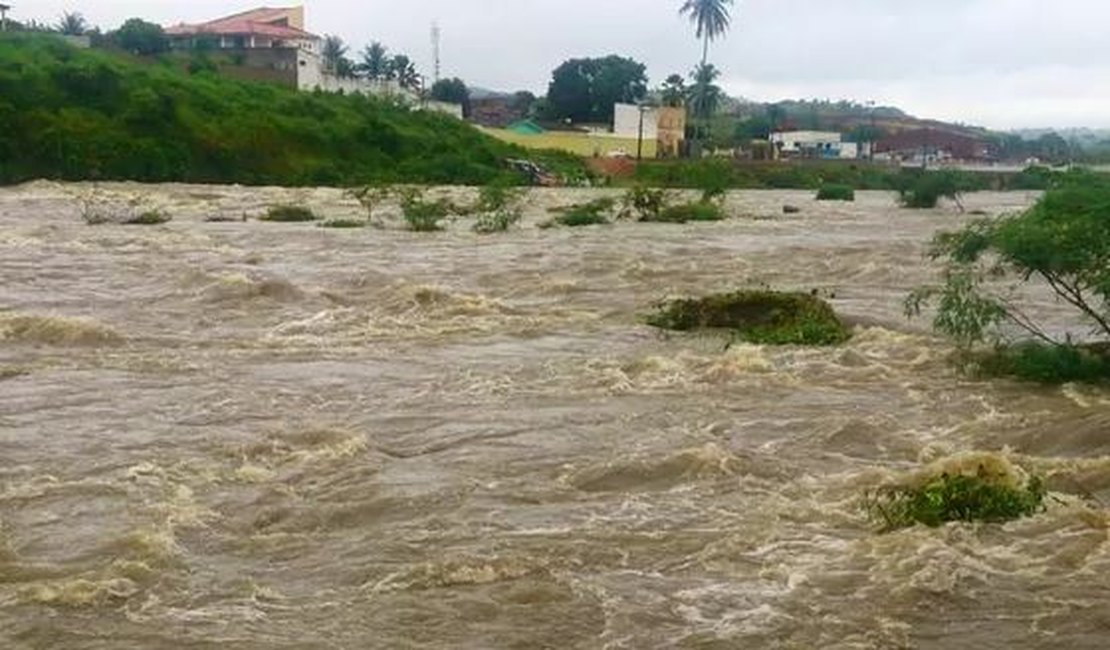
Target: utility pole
column 640, row 140
column 436, row 34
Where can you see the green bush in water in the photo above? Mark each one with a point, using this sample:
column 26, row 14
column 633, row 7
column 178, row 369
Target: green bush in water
column 761, row 317
column 836, row 192
column 288, row 214
column 948, row 498
column 1046, row 364
column 420, row 214
column 148, row 218
column 593, row 213
column 685, row 212
column 644, row 202
column 499, row 207
column 344, row 223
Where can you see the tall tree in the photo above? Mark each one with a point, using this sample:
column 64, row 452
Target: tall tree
column 711, row 19
column 585, row 90
column 706, row 95
column 404, row 71
column 375, row 62
column 453, row 91
column 140, row 37
column 334, row 51
column 673, row 92
column 73, row 24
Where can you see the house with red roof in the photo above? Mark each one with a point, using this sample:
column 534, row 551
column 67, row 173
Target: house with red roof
column 262, row 28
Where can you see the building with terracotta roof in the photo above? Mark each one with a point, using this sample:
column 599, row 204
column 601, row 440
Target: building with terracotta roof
column 262, row 28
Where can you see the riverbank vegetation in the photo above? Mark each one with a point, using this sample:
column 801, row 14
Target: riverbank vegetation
column 836, row 192
column 762, row 317
column 73, row 114
column 1063, row 244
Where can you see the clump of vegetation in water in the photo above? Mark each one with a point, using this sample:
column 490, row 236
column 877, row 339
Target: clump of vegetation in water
column 148, row 218
column 983, row 497
column 761, row 317
column 654, row 206
column 499, row 207
column 1062, row 242
column 644, row 203
column 592, row 213
column 343, row 223
column 370, row 197
column 421, row 214
column 924, row 190
column 288, row 214
column 696, row 211
column 836, row 192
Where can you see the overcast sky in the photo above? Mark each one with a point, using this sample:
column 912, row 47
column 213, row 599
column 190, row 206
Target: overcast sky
column 996, row 63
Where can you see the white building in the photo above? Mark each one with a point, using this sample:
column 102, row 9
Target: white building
column 626, row 121
column 813, row 144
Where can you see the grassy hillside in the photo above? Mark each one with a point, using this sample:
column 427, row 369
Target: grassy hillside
column 73, row 114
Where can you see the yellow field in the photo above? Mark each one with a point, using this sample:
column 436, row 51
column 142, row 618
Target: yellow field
column 582, row 144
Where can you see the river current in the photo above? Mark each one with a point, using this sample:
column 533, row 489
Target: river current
column 245, row 435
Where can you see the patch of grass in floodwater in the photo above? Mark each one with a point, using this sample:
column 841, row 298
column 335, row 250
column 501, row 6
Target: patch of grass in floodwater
column 836, row 192
column 763, row 317
column 593, row 213
column 288, row 214
column 148, row 218
column 344, row 223
column 955, row 498
column 686, row 212
column 1043, row 363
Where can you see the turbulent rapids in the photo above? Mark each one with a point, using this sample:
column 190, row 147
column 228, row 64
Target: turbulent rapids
column 257, row 435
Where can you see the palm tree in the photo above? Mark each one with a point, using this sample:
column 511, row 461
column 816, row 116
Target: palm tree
column 72, row 24
column 334, row 51
column 707, row 95
column 711, row 18
column 375, row 62
column 673, row 91
column 404, row 71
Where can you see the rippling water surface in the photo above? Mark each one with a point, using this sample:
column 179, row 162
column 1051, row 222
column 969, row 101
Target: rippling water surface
column 253, row 435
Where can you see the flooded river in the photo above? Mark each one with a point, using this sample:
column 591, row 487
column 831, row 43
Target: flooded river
column 255, row 435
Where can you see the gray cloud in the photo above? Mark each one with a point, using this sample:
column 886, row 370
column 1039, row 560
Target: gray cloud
column 1000, row 63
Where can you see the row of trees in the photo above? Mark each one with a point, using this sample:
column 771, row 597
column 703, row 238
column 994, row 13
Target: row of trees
column 374, row 63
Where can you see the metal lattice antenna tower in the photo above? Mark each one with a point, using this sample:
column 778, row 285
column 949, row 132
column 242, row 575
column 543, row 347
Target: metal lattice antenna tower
column 435, row 48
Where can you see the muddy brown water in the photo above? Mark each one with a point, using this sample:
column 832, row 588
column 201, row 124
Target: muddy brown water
column 255, row 435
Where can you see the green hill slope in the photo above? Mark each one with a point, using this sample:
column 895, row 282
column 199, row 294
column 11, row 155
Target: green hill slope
column 72, row 114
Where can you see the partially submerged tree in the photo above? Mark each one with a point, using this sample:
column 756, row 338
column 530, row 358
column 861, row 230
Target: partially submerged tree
column 1063, row 242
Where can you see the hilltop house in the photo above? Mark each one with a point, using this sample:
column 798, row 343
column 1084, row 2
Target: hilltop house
column 272, row 44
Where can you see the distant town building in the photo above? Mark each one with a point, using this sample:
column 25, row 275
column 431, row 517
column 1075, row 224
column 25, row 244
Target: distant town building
column 665, row 126
column 265, row 28
column 814, row 145
column 923, row 146
column 495, row 112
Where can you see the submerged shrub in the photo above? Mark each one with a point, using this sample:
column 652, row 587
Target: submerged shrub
column 836, row 192
column 1045, row 364
column 343, row 223
column 644, row 203
column 421, row 214
column 684, row 212
column 761, row 317
column 593, row 213
column 499, row 207
column 148, row 218
column 924, row 190
column 985, row 497
column 288, row 214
